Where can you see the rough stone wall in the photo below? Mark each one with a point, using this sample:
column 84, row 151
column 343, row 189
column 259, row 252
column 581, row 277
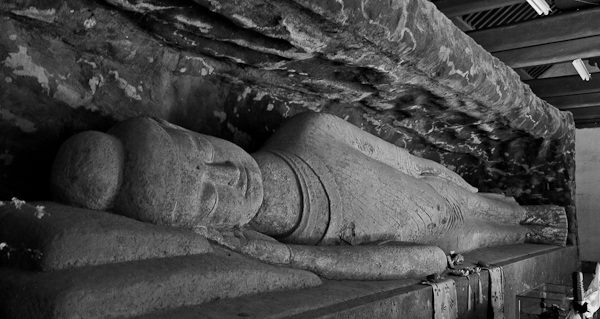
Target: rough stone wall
column 236, row 69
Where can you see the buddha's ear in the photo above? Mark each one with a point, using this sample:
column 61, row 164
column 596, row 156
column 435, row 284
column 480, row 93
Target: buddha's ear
column 88, row 171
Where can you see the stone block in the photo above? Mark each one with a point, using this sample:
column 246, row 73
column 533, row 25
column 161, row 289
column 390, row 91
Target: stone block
column 137, row 287
column 70, row 237
column 525, row 266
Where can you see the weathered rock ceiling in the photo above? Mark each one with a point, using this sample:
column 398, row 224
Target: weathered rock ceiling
column 237, row 69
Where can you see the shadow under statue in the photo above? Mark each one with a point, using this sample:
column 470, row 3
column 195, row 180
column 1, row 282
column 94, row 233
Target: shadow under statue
column 329, row 197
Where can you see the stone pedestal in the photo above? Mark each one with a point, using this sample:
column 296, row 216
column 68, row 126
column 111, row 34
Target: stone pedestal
column 525, row 266
column 58, row 261
column 202, row 280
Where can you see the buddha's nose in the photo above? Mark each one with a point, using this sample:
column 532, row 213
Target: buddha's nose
column 223, row 173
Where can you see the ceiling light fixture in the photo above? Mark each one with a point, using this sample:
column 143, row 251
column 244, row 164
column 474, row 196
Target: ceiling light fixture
column 540, row 6
column 581, row 69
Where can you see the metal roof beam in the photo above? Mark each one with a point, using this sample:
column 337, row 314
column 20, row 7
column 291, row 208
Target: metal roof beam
column 551, row 53
column 453, row 8
column 556, row 28
column 564, row 85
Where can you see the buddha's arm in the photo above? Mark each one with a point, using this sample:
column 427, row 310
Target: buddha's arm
column 383, row 261
column 320, row 125
column 363, row 262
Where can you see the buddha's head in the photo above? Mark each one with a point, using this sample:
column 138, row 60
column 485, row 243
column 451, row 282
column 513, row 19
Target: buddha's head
column 154, row 171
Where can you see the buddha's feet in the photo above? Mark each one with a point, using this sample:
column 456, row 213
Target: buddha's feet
column 547, row 224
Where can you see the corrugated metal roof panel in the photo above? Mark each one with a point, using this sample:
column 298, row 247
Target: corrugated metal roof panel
column 503, row 16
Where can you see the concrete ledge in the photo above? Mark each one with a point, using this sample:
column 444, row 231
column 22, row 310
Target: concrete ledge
column 137, row 287
column 525, row 266
column 71, row 237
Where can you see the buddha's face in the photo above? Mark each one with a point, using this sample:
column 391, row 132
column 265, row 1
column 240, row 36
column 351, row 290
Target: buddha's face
column 176, row 177
column 219, row 178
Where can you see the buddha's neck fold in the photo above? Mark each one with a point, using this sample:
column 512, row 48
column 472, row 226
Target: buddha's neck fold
column 295, row 207
column 282, row 200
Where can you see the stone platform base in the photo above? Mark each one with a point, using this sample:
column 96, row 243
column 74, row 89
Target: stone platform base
column 525, row 266
column 76, row 263
column 141, row 292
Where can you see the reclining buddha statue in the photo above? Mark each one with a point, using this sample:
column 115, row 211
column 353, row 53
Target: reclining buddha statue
column 319, row 186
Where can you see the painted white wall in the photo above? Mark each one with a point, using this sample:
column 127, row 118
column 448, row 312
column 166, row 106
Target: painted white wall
column 587, row 179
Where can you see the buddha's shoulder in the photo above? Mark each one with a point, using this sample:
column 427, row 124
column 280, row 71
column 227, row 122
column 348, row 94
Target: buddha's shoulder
column 313, row 120
column 317, row 124
column 307, row 129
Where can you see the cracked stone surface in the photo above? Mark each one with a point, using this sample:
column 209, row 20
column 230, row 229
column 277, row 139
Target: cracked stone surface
column 236, row 69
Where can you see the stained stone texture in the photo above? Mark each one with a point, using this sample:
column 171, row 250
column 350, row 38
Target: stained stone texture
column 237, row 69
column 69, row 237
